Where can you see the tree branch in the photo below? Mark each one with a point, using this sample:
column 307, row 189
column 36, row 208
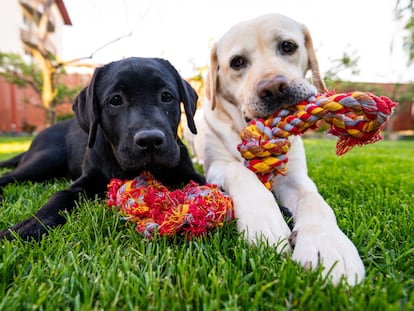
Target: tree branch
column 139, row 21
column 65, row 63
column 14, row 76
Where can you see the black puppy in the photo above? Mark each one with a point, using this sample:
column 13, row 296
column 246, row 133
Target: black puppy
column 127, row 120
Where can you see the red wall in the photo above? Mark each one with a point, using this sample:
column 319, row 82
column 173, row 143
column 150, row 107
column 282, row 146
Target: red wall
column 21, row 109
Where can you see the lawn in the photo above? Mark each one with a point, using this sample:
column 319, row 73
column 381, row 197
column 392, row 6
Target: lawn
column 97, row 262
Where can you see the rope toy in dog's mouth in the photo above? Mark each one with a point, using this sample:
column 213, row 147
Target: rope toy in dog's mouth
column 191, row 211
column 356, row 118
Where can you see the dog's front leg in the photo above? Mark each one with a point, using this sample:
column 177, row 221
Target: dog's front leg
column 50, row 215
column 47, row 217
column 316, row 237
column 257, row 213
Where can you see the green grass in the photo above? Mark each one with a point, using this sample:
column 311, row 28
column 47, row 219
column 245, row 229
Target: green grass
column 96, row 262
column 13, row 145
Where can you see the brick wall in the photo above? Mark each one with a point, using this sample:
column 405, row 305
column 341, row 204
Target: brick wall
column 21, row 109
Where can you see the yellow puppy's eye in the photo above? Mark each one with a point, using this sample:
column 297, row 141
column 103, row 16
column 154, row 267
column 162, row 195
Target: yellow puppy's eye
column 238, row 62
column 287, row 47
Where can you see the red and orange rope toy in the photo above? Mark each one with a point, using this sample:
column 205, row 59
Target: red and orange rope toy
column 356, row 118
column 191, row 211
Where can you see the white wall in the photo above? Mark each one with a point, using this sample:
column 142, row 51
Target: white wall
column 11, row 19
column 11, row 22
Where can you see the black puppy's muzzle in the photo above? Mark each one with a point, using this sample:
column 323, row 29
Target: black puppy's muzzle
column 150, row 140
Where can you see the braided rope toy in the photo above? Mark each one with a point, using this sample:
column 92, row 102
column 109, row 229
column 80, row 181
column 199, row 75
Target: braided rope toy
column 355, row 117
column 192, row 211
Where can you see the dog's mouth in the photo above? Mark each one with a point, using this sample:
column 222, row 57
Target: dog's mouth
column 148, row 161
column 260, row 110
column 276, row 93
column 136, row 155
column 265, row 107
column 156, row 160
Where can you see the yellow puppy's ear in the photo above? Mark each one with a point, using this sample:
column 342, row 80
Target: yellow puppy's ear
column 313, row 62
column 211, row 83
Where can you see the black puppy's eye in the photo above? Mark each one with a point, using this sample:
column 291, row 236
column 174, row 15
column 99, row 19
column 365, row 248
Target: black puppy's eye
column 167, row 97
column 288, row 47
column 116, row 100
column 238, row 62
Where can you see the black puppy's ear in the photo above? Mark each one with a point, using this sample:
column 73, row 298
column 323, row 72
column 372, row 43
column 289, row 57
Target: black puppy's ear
column 86, row 108
column 188, row 96
column 77, row 107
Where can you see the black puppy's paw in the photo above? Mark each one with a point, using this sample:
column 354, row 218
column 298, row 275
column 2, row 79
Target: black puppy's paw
column 27, row 230
column 49, row 216
column 6, row 235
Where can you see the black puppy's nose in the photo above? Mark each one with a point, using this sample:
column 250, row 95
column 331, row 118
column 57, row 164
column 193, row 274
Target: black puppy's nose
column 149, row 139
column 272, row 89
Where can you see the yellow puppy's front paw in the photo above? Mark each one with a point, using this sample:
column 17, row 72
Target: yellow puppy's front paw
column 330, row 247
